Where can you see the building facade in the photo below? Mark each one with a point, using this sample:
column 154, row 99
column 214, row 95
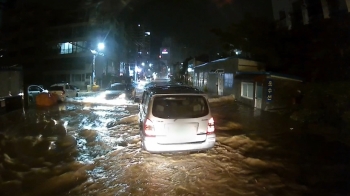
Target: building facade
column 302, row 12
column 267, row 91
column 218, row 77
column 56, row 42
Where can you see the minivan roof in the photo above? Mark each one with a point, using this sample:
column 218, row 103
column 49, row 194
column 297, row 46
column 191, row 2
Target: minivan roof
column 174, row 89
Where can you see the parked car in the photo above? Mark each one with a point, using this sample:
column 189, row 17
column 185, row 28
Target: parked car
column 148, row 78
column 76, row 88
column 175, row 118
column 120, row 90
column 33, row 91
column 63, row 90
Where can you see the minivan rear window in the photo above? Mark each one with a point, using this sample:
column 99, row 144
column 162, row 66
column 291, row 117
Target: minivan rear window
column 180, row 106
column 56, row 88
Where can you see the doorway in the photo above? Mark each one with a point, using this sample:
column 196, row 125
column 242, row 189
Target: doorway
column 220, row 84
column 258, row 95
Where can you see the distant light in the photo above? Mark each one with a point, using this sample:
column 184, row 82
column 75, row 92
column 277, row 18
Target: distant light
column 165, row 51
column 160, row 56
column 148, row 33
column 139, row 25
column 101, row 46
column 190, row 69
column 143, row 64
column 150, row 64
column 138, row 69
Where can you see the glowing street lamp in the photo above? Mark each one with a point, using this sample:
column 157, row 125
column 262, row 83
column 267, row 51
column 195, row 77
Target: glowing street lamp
column 101, row 46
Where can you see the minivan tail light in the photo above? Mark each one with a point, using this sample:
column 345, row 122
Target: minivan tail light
column 211, row 127
column 148, row 128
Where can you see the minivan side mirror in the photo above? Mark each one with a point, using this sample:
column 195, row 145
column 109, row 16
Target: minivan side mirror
column 137, row 100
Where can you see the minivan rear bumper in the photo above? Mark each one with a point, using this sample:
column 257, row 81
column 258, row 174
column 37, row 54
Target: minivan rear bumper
column 151, row 145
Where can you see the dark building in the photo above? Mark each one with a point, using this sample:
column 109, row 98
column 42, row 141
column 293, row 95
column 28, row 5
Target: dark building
column 55, row 41
column 267, row 91
column 139, row 52
column 302, row 12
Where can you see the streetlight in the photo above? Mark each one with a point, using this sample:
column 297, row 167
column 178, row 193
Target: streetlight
column 100, row 46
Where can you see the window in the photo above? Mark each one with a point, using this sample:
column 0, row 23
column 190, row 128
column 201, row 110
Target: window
column 56, row 88
column 247, row 90
column 66, row 48
column 117, row 87
column 72, row 47
column 179, row 107
column 145, row 105
column 228, row 80
column 200, row 80
column 205, row 79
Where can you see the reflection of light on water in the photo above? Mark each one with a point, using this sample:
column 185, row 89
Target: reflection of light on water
column 65, row 124
column 61, row 107
column 105, row 108
column 102, row 100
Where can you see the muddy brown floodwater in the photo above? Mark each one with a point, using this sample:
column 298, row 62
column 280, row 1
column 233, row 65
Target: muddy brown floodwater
column 251, row 156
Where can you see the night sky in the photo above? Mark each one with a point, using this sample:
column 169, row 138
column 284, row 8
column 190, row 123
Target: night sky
column 190, row 21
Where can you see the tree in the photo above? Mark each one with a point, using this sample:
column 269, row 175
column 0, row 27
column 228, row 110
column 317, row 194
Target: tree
column 254, row 37
column 317, row 52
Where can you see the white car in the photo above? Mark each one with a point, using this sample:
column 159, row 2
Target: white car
column 175, row 118
column 33, row 91
column 63, row 90
column 76, row 88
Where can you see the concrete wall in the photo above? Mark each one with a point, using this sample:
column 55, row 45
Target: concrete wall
column 10, row 81
column 284, row 92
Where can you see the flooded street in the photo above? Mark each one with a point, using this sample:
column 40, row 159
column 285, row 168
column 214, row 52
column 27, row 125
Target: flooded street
column 94, row 149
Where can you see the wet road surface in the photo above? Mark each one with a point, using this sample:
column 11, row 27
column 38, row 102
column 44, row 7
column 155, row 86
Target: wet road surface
column 256, row 153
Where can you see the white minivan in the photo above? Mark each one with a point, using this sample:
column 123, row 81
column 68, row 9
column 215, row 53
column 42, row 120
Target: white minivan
column 175, row 118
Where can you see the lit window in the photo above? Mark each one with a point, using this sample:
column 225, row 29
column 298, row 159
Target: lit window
column 66, row 48
column 247, row 90
column 195, row 80
column 72, row 47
